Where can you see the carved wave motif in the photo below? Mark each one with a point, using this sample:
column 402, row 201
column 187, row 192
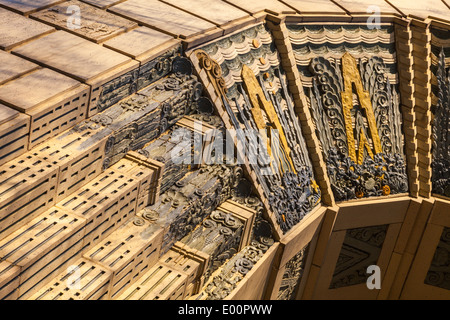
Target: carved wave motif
column 325, row 34
column 253, row 48
column 304, row 54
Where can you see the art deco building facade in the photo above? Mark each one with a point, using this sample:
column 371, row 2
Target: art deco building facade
column 224, row 149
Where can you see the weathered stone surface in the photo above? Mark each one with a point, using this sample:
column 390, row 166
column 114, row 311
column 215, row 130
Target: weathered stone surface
column 28, row 6
column 254, row 6
column 215, row 11
column 313, row 6
column 16, row 29
column 12, row 66
column 140, row 43
column 422, row 9
column 366, row 6
column 72, row 55
column 45, row 84
column 163, row 17
column 103, row 3
column 95, row 24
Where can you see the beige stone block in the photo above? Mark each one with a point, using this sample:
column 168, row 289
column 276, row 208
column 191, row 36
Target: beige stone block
column 12, row 67
column 422, row 9
column 95, row 24
column 371, row 212
column 16, row 29
column 310, row 6
column 82, row 59
column 162, row 17
column 142, row 43
column 14, row 130
column 103, row 4
column 28, row 6
column 214, row 11
column 254, row 6
column 238, row 24
column 361, row 6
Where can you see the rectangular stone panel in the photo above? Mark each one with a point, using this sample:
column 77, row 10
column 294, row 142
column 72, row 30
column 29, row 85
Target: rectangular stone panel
column 28, row 6
column 125, row 252
column 12, row 66
column 103, row 4
column 363, row 6
column 315, row 6
column 140, row 42
column 16, row 29
column 110, row 74
column 93, row 283
column 254, row 6
column 72, row 55
column 95, row 24
column 214, row 11
column 162, row 17
column 55, row 102
column 422, row 9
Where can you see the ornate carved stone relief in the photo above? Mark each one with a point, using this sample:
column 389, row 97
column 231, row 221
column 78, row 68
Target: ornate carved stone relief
column 292, row 275
column 235, row 269
column 245, row 72
column 144, row 116
column 190, row 200
column 354, row 102
column 361, row 248
column 219, row 236
column 439, row 273
column 441, row 111
column 237, row 265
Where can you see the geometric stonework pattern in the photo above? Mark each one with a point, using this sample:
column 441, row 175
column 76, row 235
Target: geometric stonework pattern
column 292, row 275
column 439, row 273
column 361, row 248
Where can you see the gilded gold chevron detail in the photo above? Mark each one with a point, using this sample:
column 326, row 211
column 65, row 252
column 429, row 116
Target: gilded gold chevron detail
column 363, row 144
column 352, row 77
column 257, row 100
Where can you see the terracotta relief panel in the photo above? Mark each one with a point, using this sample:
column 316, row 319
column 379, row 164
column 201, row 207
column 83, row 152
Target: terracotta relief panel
column 440, row 104
column 292, row 276
column 361, row 249
column 349, row 75
column 246, row 73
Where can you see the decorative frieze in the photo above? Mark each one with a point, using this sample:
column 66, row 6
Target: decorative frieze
column 247, row 76
column 355, row 106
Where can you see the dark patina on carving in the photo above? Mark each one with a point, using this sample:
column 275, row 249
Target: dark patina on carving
column 261, row 101
column 441, row 127
column 382, row 172
column 190, row 200
column 361, row 248
column 439, row 273
column 292, row 276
